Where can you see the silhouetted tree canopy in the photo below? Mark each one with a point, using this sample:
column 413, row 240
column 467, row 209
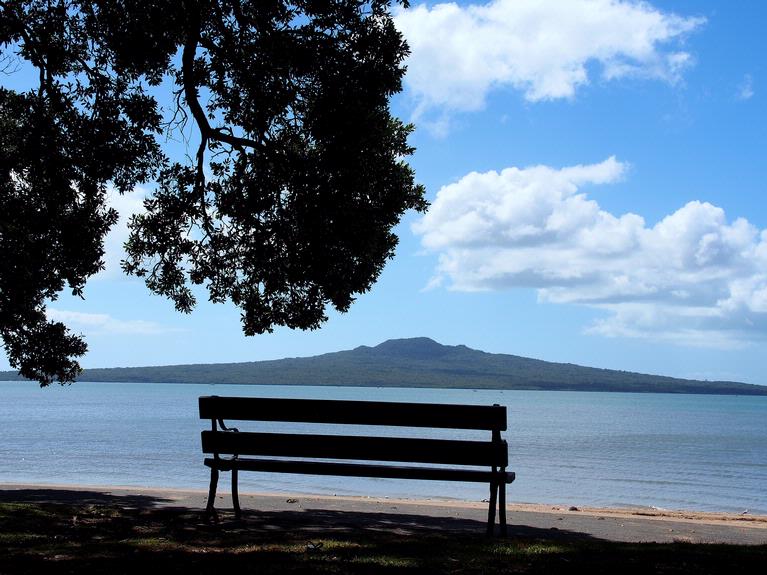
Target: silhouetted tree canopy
column 286, row 202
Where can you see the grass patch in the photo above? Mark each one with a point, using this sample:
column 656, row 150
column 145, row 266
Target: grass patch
column 111, row 539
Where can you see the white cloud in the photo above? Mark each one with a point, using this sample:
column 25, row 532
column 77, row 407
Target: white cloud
column 692, row 278
column 126, row 205
column 542, row 47
column 746, row 88
column 101, row 323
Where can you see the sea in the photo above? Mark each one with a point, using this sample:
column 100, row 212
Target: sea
column 665, row 451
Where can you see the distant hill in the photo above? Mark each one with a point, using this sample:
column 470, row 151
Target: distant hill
column 418, row 362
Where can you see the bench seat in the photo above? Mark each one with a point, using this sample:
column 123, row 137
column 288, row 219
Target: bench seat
column 360, row 470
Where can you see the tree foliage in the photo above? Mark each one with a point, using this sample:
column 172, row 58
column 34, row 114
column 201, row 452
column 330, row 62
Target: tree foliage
column 286, row 202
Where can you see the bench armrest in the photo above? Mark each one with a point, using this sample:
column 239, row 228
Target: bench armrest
column 232, row 429
column 225, row 428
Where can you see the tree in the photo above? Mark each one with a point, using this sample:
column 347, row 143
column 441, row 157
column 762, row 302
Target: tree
column 286, row 205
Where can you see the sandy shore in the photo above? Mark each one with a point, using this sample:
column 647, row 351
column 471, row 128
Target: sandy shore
column 317, row 512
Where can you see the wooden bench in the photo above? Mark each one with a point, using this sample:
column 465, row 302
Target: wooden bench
column 362, row 456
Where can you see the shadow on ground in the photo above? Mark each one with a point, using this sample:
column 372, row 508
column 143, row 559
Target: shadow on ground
column 84, row 532
column 74, row 497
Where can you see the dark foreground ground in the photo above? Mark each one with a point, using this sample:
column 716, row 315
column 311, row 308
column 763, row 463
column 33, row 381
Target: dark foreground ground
column 69, row 530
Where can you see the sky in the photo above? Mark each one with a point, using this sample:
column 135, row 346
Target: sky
column 595, row 170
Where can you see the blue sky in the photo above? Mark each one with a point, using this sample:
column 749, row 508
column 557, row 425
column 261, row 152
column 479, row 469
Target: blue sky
column 596, row 173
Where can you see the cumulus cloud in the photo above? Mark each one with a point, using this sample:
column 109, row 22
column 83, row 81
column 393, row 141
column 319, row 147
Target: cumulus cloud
column 102, row 323
column 694, row 277
column 542, row 47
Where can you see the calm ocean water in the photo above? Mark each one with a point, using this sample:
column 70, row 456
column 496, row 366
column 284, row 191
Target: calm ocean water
column 600, row 449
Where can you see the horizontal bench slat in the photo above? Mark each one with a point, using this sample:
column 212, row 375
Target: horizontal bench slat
column 359, row 470
column 489, row 417
column 357, row 447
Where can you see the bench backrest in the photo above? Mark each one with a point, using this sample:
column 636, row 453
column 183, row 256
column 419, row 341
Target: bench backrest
column 370, row 413
column 492, row 417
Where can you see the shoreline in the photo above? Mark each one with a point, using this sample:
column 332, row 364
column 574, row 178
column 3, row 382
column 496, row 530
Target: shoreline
column 733, row 393
column 190, row 497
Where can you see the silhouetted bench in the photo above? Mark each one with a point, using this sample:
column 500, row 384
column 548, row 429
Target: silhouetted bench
column 439, row 459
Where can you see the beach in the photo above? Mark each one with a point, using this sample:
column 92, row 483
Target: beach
column 314, row 512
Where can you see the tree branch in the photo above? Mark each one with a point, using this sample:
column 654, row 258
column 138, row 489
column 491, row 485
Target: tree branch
column 37, row 58
column 191, row 95
column 199, row 184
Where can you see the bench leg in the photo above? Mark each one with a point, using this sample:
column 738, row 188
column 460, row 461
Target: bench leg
column 235, row 495
column 502, row 507
column 210, row 511
column 491, row 508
